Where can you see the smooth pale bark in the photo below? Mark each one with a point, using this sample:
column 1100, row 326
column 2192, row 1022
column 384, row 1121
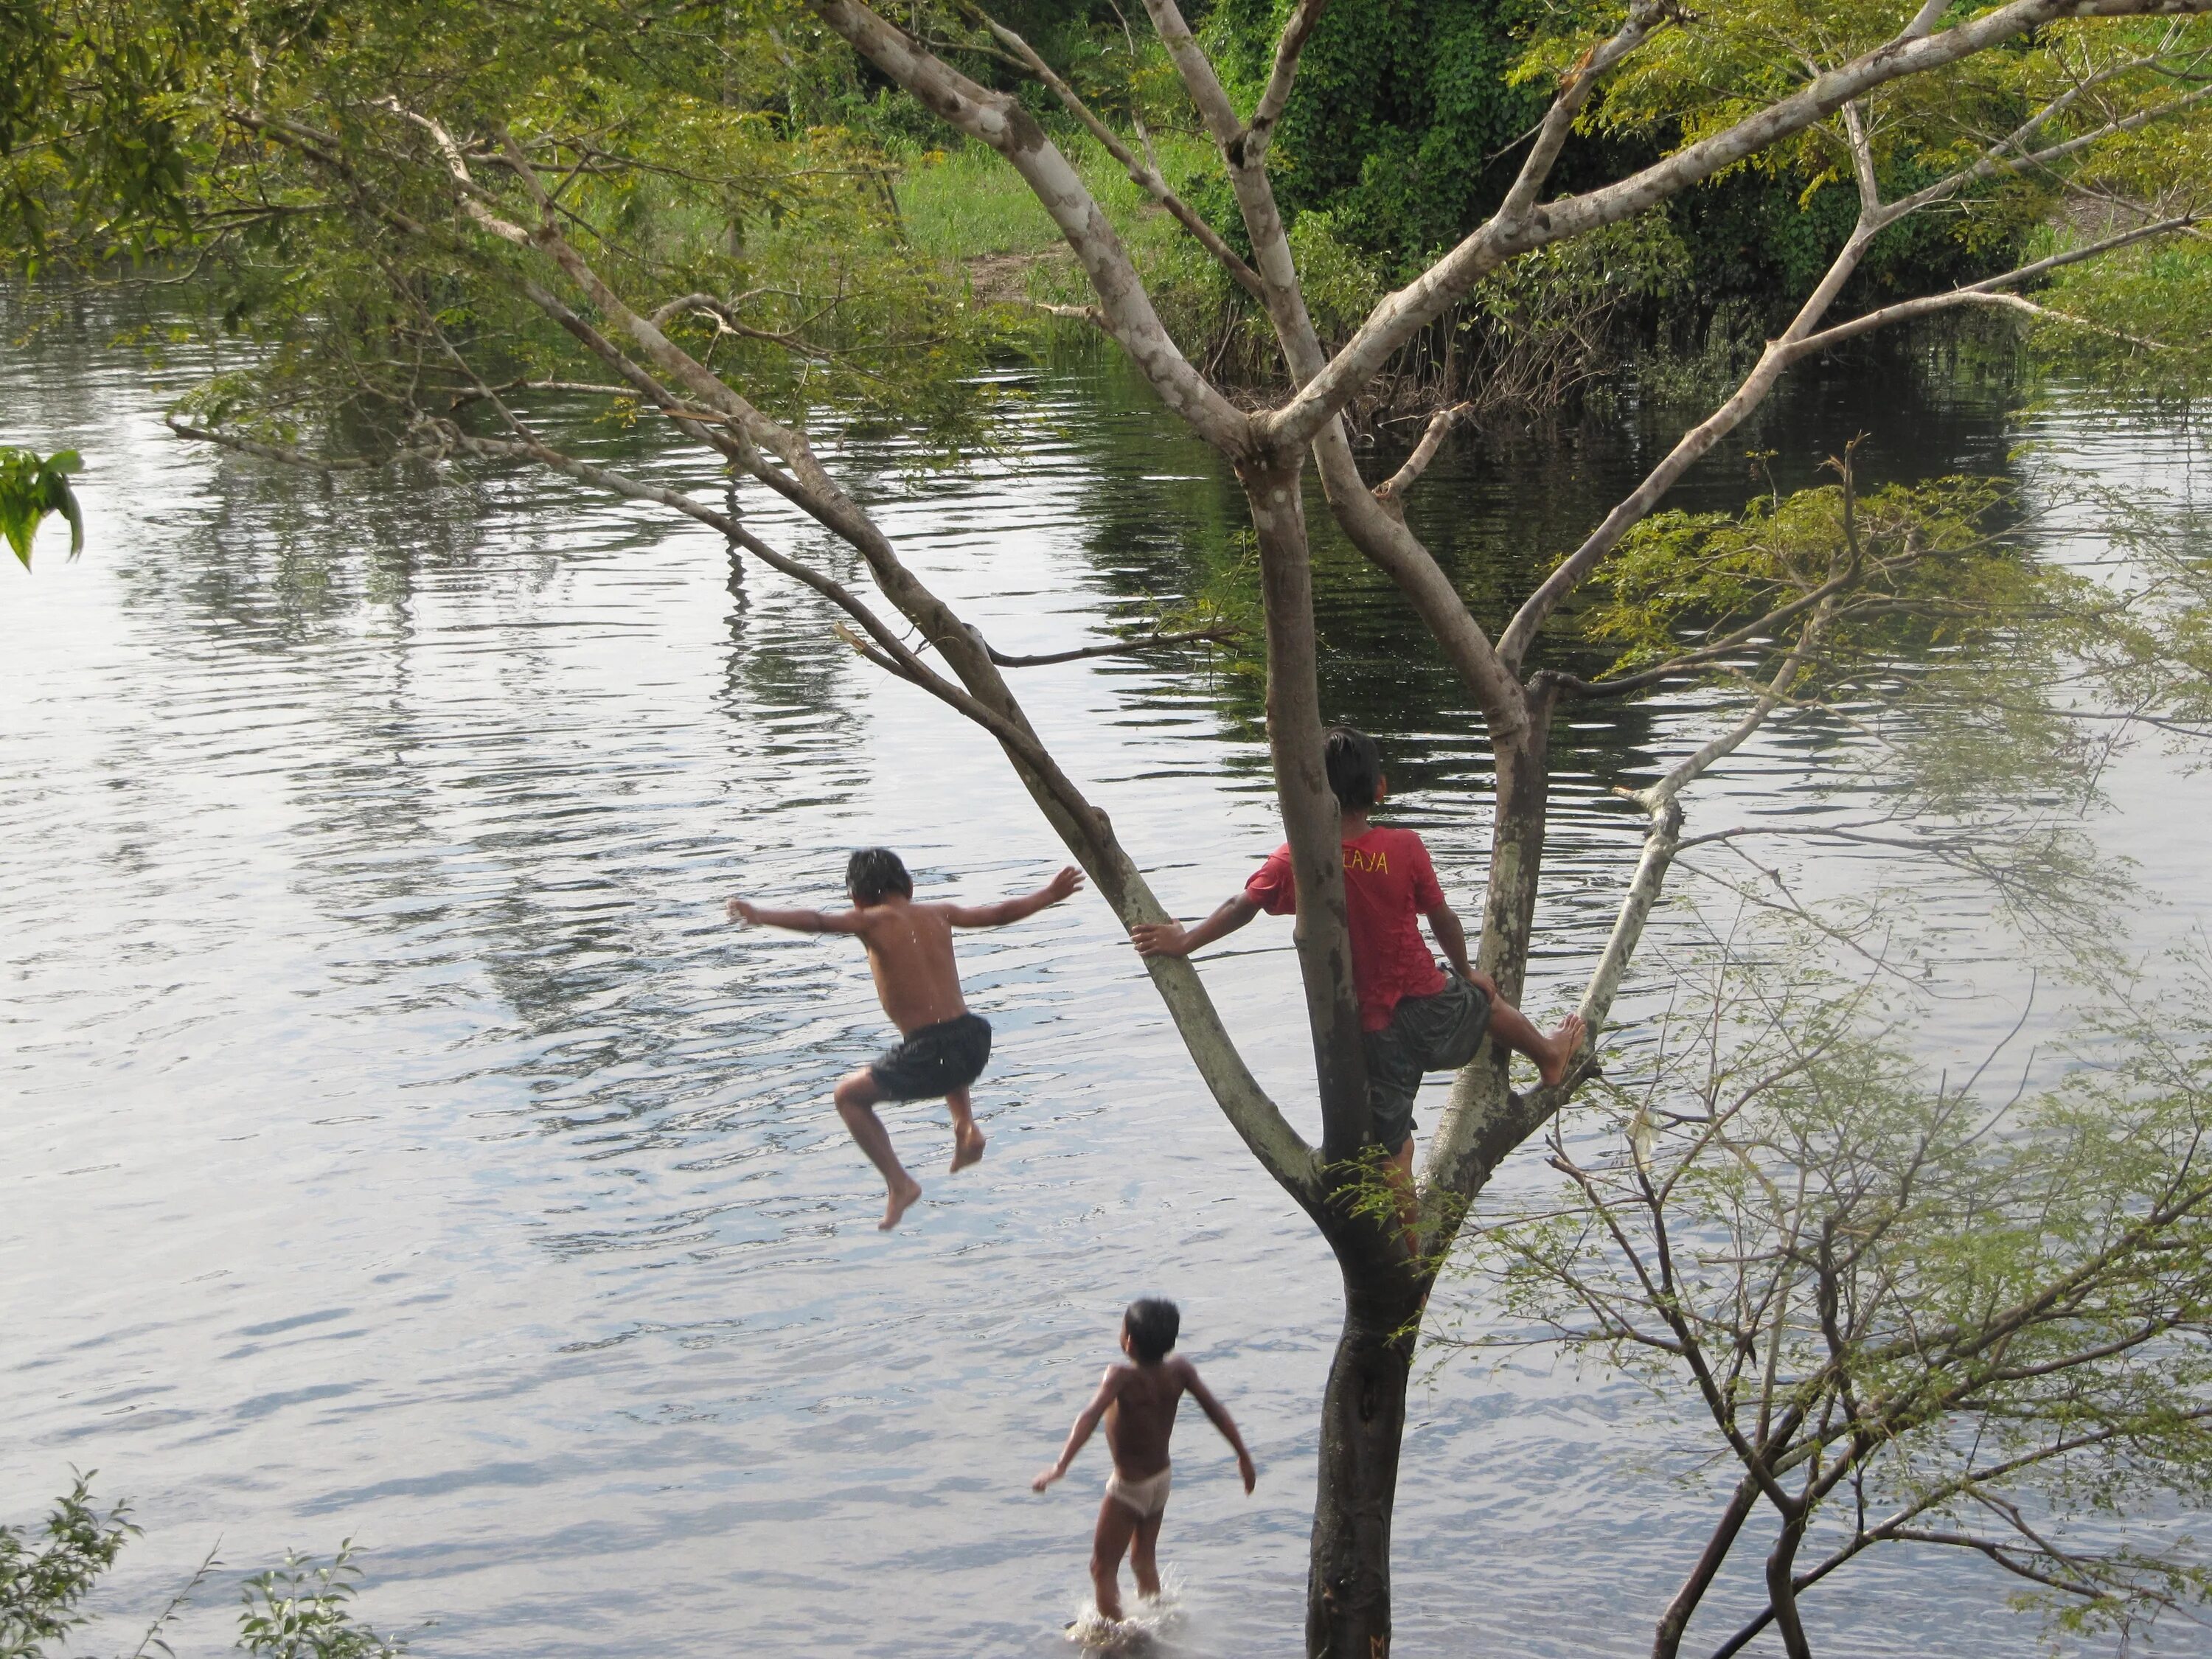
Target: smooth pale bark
column 1277, row 97
column 1379, row 533
column 1142, row 172
column 998, row 120
column 1461, row 1155
column 1311, row 818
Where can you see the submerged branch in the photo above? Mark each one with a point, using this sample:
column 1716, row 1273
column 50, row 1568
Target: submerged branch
column 1118, row 648
column 1392, row 490
column 287, row 453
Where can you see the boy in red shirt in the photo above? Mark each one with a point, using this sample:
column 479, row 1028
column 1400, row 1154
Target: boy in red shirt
column 1414, row 1018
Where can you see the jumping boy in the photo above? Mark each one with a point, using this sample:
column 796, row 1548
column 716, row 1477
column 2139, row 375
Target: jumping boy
column 1414, row 1018
column 1138, row 1403
column 910, row 953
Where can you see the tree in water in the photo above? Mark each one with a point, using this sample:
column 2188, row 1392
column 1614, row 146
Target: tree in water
column 441, row 217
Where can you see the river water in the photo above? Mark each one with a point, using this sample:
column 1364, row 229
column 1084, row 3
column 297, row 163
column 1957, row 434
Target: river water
column 398, row 1143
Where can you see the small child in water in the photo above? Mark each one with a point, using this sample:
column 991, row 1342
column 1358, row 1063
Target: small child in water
column 1138, row 1403
column 910, row 953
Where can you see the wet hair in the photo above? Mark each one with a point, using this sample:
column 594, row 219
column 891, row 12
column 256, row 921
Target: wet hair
column 1355, row 768
column 1151, row 1323
column 874, row 872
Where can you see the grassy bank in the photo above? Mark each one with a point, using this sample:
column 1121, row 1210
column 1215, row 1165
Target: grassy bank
column 969, row 203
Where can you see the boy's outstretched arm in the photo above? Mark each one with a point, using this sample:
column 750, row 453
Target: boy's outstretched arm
column 1219, row 1415
column 1013, row 909
column 1081, row 1432
column 799, row 921
column 1172, row 939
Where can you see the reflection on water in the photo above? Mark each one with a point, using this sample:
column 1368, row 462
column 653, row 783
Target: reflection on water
column 400, row 1145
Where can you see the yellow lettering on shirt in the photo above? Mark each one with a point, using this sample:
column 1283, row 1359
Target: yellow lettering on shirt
column 1376, row 862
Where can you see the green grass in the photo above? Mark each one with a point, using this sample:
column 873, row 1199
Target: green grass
column 968, row 203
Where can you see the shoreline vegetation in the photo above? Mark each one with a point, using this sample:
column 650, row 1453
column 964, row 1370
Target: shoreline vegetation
column 1533, row 341
column 1555, row 336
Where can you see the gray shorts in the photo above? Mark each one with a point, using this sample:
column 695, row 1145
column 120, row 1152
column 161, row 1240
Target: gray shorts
column 1426, row 1034
column 935, row 1060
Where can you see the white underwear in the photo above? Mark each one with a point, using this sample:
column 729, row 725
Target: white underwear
column 1147, row 1497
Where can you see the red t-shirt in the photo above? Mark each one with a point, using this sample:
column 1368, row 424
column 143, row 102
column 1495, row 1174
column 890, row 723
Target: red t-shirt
column 1388, row 886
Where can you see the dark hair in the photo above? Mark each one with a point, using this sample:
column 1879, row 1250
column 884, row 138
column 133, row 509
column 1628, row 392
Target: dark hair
column 1355, row 768
column 1151, row 1323
column 874, row 871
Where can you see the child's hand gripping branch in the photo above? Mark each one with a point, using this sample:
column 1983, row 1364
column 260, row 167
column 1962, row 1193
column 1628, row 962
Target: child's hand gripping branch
column 1414, row 1018
column 1138, row 1404
column 910, row 953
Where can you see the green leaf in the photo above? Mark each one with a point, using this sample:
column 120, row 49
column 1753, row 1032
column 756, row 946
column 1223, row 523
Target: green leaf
column 30, row 488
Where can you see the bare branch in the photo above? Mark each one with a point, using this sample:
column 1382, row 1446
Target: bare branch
column 2014, row 302
column 1288, row 45
column 732, row 426
column 1278, row 1147
column 1472, row 1138
column 1392, row 490
column 1633, row 508
column 1644, row 16
column 1381, row 533
column 287, row 453
column 1988, row 289
column 1653, row 796
column 474, row 199
column 1198, row 79
column 998, row 120
column 1145, row 174
column 1996, row 161
column 1798, row 340
column 1925, row 21
column 590, row 388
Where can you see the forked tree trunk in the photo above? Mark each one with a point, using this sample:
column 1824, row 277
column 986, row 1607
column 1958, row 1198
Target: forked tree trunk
column 1349, row 1604
column 1363, row 1420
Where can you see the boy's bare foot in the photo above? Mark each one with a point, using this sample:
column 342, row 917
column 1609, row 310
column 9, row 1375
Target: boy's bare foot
column 1564, row 1044
column 902, row 1200
column 966, row 1148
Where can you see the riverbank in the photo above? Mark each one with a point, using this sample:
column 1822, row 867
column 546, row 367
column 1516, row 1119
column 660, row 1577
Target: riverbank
column 1540, row 338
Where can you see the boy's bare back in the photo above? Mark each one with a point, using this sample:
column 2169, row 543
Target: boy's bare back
column 1141, row 1415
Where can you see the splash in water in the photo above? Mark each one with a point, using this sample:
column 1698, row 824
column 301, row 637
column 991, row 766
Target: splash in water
column 1147, row 1624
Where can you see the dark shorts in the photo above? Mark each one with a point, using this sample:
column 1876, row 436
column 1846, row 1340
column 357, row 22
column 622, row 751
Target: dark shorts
column 935, row 1060
column 1426, row 1034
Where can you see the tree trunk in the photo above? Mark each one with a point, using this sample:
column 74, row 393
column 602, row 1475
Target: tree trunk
column 1363, row 1418
column 1667, row 1642
column 1312, row 822
column 1781, row 1587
